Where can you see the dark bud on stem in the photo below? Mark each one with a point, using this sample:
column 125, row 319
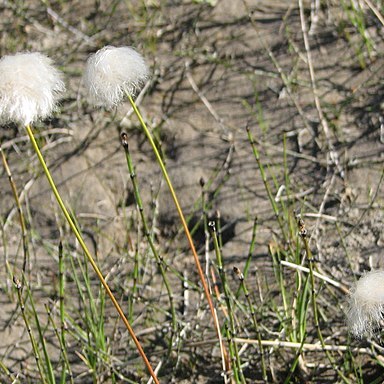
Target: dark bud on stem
column 202, row 182
column 238, row 273
column 17, row 282
column 300, row 223
column 124, row 139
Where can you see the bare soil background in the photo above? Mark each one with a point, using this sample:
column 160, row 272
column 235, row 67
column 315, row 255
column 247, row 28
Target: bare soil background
column 216, row 70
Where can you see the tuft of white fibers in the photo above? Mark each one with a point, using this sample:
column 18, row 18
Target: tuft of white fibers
column 30, row 87
column 366, row 304
column 111, row 72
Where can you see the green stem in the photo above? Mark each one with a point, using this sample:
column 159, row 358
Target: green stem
column 250, row 253
column 24, row 232
column 304, row 234
column 36, row 352
column 135, row 280
column 12, row 378
column 88, row 254
column 266, row 184
column 179, row 211
column 65, row 361
column 61, row 338
column 238, row 372
column 48, row 364
column 159, row 259
column 244, row 288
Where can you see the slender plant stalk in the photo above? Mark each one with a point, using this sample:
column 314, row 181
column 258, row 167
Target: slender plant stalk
column 11, row 377
column 276, row 263
column 159, row 259
column 63, row 349
column 92, row 333
column 88, row 254
column 300, row 306
column 251, row 248
column 296, row 360
column 36, row 352
column 219, row 231
column 265, row 182
column 93, row 319
column 237, row 370
column 244, row 288
column 48, row 364
column 204, row 207
column 135, row 280
column 226, row 360
column 303, row 233
column 249, row 257
column 226, row 363
column 89, row 310
column 24, row 232
column 62, row 340
column 179, row 211
column 375, row 10
column 232, row 353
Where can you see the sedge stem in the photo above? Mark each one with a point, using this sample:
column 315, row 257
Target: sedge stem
column 179, row 211
column 88, row 254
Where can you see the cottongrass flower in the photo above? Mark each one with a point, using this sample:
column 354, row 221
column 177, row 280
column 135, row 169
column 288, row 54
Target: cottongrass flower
column 366, row 304
column 112, row 72
column 29, row 87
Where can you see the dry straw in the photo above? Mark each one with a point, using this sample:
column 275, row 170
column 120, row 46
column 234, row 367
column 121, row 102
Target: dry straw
column 29, row 88
column 366, row 304
column 112, row 72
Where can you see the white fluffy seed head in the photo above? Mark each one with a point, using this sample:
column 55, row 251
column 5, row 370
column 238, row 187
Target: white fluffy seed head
column 29, row 87
column 111, row 72
column 366, row 304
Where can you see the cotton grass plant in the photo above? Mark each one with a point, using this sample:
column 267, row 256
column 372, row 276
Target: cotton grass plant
column 365, row 311
column 112, row 73
column 30, row 88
